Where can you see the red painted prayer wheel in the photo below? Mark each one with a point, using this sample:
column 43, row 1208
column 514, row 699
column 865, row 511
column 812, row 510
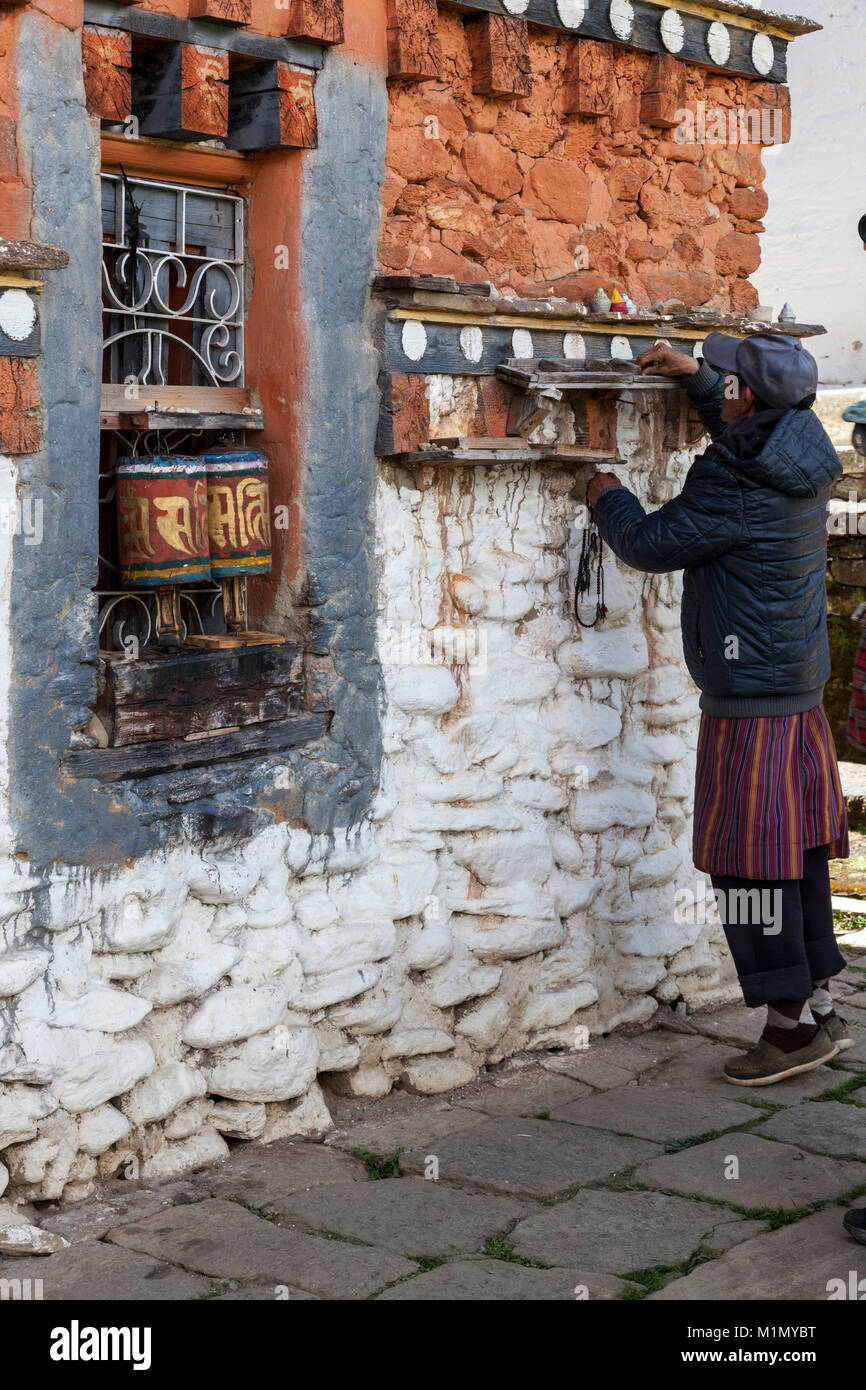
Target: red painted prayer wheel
column 238, row 512
column 162, row 521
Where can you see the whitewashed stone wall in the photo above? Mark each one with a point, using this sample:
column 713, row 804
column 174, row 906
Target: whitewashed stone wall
column 513, row 888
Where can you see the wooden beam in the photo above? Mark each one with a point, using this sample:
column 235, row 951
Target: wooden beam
column 20, row 422
column 320, row 21
column 414, row 51
column 147, row 759
column 589, row 84
column 222, row 11
column 664, row 93
column 272, row 106
column 181, row 89
column 198, row 164
column 499, row 52
column 107, row 58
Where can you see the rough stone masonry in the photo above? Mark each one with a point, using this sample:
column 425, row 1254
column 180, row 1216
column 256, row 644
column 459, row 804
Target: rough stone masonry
column 500, row 873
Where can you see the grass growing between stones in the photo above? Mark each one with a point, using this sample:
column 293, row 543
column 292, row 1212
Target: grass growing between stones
column 380, row 1168
column 496, row 1247
column 846, row 1090
column 656, row 1277
column 428, row 1262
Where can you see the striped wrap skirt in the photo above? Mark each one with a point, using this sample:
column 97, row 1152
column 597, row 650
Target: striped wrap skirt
column 765, row 790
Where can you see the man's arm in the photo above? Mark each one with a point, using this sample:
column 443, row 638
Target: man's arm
column 705, row 521
column 704, row 386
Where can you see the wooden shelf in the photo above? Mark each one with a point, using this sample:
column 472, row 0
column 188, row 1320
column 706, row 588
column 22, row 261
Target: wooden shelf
column 502, row 453
column 543, row 374
column 181, row 408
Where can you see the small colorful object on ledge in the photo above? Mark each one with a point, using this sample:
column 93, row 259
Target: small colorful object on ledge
column 600, row 302
column 239, row 532
column 618, row 304
column 162, row 531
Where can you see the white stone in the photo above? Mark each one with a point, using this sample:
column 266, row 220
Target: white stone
column 415, row 1042
column 95, row 1070
column 174, row 982
column 165, row 1091
column 431, row 946
column 656, row 868
column 204, row 1147
column 21, row 1109
column 566, row 851
column 636, row 975
column 512, row 938
column 549, row 1010
column 4, row 1178
column 657, row 938
column 24, row 1239
column 661, row 686
column 18, row 969
column 239, row 1119
column 512, row 682
column 335, row 948
column 316, row 910
column 485, row 1025
column 271, row 1066
column 505, row 859
column 461, row 983
column 320, row 991
column 102, row 1010
column 434, row 1075
column 100, row 1128
column 235, row 1013
column 425, row 690
column 594, row 811
column 379, row 1012
column 619, row 652
column 186, row 1121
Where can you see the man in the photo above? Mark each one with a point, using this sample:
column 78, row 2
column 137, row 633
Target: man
column 749, row 532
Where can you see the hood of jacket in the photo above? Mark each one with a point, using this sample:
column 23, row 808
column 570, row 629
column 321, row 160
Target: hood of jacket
column 793, row 453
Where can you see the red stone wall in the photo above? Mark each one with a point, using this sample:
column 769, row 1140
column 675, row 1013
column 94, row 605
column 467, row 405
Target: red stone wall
column 524, row 194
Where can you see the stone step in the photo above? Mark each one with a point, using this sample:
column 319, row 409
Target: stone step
column 853, row 776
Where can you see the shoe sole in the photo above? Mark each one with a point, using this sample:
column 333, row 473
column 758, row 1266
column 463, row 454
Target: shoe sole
column 843, row 1044
column 781, row 1075
column 858, row 1234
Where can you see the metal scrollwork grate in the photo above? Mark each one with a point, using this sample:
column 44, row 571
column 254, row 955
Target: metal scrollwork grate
column 173, row 283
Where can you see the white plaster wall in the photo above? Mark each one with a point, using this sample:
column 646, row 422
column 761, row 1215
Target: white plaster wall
column 812, row 255
column 514, row 888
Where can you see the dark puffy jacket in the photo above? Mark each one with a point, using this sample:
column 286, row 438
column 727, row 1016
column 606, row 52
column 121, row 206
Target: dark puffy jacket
column 751, row 536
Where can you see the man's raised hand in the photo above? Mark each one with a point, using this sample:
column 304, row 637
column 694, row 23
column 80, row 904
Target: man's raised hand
column 663, row 360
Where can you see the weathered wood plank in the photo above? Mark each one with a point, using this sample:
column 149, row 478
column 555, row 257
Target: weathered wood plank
column 107, row 57
column 20, row 420
column 180, row 90
column 272, row 106
column 499, row 52
column 151, row 24
column 664, row 94
column 404, row 416
column 589, row 85
column 222, row 11
column 321, row 21
column 149, row 759
column 414, row 51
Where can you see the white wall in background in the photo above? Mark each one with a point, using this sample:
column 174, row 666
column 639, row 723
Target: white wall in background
column 817, row 189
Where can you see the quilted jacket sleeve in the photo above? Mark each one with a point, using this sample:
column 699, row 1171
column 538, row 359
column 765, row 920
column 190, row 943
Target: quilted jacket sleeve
column 706, row 392
column 705, row 521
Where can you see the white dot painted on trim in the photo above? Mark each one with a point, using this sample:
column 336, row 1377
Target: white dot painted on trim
column 672, row 30
column 661, row 342
column 571, row 12
column 516, row 6
column 621, row 17
column 521, row 343
column 718, row 43
column 17, row 315
column 574, row 346
column 763, row 54
column 698, row 347
column 620, row 350
column 414, row 340
column 471, row 343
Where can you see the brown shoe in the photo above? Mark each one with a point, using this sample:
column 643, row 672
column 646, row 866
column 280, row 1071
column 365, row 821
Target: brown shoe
column 837, row 1029
column 764, row 1064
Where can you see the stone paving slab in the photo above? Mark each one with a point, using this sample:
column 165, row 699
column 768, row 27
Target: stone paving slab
column 92, row 1219
column 97, row 1273
column 700, row 1073
column 415, row 1131
column 770, row 1174
column 611, row 1062
column 619, row 1232
column 261, row 1174
column 537, row 1095
column 734, row 1024
column 793, row 1264
column 478, row 1281
column 268, row 1293
column 410, row 1215
column 225, row 1241
column 668, row 1117
column 855, row 1057
column 533, row 1158
column 827, row 1127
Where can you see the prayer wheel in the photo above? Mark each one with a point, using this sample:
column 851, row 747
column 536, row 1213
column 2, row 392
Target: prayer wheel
column 238, row 523
column 162, row 531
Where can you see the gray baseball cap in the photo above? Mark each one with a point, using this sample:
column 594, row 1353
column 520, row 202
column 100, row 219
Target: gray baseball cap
column 777, row 368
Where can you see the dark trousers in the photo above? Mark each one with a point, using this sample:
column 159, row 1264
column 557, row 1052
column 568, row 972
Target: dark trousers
column 780, row 932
